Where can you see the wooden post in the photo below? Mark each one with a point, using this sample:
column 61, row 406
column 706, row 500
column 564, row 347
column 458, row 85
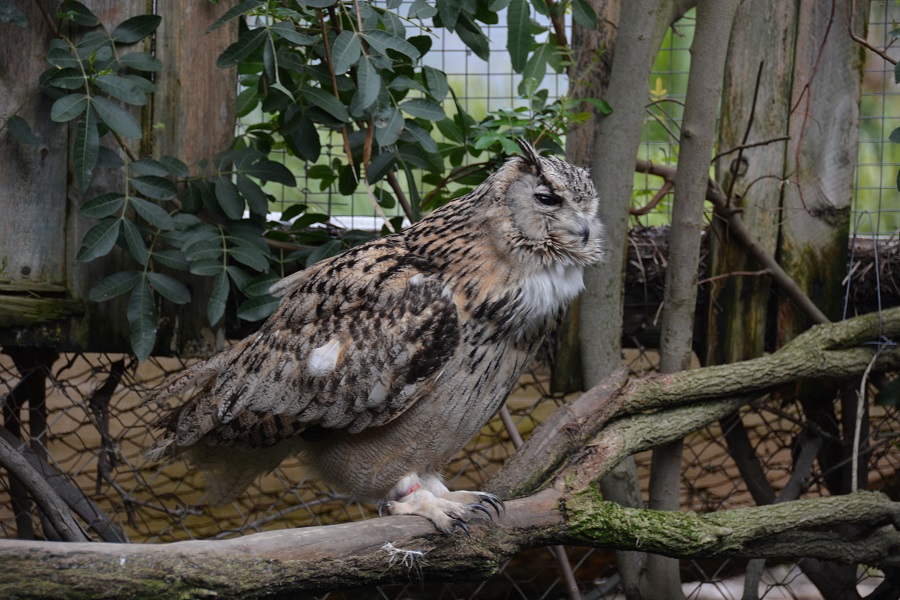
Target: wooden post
column 762, row 42
column 193, row 119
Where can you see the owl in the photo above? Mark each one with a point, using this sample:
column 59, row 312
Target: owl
column 382, row 362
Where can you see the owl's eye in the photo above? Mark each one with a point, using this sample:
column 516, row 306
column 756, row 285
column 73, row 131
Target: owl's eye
column 548, row 199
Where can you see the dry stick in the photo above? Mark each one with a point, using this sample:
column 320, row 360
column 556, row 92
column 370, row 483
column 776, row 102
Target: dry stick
column 863, row 42
column 715, row 195
column 562, row 558
column 43, row 494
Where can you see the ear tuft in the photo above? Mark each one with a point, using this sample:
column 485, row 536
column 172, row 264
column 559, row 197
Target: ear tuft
column 531, row 156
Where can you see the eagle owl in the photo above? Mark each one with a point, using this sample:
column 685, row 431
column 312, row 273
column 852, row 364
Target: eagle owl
column 381, row 363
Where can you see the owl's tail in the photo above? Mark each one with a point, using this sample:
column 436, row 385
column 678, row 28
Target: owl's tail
column 230, row 470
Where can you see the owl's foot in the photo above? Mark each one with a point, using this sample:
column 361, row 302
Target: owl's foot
column 429, row 498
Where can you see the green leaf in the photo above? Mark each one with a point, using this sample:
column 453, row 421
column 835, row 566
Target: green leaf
column 421, row 9
column 269, row 170
column 895, row 136
column 142, row 320
column 448, row 11
column 86, row 149
column 135, row 241
column 148, row 166
column 378, row 168
column 157, row 188
column 519, row 38
column 66, row 79
column 305, row 139
column 327, row 102
column 204, row 248
column 62, row 58
column 253, row 194
column 141, row 61
column 584, row 14
column 68, row 107
column 118, row 119
column 99, row 240
column 218, row 298
column 249, row 255
column 258, row 308
column 382, row 41
column 121, row 88
column 424, row 109
column 326, row 250
column 247, row 100
column 136, row 28
column 451, row 131
column 114, row 285
column 174, row 259
column 207, row 267
column 388, row 126
column 234, row 12
column 245, row 45
column 79, row 13
column 369, row 82
column 229, row 198
column 402, row 83
column 346, row 51
column 9, row 13
column 421, row 137
column 21, row 130
column 472, row 36
column 436, row 82
column 104, row 205
column 536, row 67
column 316, row 3
column 153, row 213
column 286, row 30
column 169, row 288
column 259, row 285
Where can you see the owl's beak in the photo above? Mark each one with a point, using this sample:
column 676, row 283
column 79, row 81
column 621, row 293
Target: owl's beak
column 585, row 231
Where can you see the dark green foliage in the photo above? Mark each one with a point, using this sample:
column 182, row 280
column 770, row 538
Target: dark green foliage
column 312, row 71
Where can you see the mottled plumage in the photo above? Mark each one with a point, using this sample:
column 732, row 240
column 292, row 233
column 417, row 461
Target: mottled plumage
column 382, row 362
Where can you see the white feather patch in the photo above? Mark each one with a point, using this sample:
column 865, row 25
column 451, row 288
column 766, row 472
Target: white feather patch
column 545, row 291
column 323, row 360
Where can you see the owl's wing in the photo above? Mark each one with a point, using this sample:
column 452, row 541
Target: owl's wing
column 353, row 345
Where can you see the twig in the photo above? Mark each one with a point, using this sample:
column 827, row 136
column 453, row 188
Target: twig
column 715, row 195
column 559, row 28
column 774, row 140
column 863, row 42
column 750, row 119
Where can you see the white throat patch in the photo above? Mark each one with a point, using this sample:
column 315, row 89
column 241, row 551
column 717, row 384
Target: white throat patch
column 545, row 291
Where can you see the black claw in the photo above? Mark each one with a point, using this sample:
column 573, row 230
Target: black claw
column 476, row 506
column 495, row 502
column 462, row 525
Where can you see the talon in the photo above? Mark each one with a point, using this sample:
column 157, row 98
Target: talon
column 381, row 505
column 476, row 506
column 494, row 501
column 462, row 525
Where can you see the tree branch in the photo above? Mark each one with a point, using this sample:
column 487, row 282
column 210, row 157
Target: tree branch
column 403, row 549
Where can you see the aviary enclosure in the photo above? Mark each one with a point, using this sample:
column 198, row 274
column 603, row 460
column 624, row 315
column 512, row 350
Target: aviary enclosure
column 804, row 161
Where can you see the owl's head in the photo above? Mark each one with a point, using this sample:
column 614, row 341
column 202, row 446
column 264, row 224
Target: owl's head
column 551, row 210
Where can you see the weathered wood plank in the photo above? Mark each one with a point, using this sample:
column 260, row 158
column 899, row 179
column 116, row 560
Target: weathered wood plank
column 821, row 159
column 32, row 177
column 195, row 104
column 763, row 38
column 22, row 311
